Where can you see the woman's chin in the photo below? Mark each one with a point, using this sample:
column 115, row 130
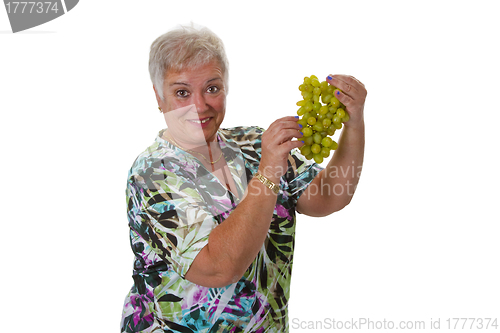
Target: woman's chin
column 201, row 133
column 197, row 137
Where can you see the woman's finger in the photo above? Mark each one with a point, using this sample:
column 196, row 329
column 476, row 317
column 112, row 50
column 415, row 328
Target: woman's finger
column 349, row 85
column 347, row 100
column 285, row 119
column 289, row 145
column 287, row 135
column 352, row 93
column 361, row 83
column 284, row 123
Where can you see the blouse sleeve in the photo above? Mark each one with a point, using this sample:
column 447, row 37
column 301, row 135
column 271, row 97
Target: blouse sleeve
column 301, row 173
column 170, row 216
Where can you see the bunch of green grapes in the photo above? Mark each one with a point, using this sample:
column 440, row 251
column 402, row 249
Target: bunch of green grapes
column 322, row 114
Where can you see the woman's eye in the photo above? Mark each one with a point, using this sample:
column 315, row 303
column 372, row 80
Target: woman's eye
column 182, row 93
column 212, row 89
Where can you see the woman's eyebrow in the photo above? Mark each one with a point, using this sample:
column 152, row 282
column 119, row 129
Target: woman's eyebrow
column 181, row 83
column 187, row 84
column 215, row 78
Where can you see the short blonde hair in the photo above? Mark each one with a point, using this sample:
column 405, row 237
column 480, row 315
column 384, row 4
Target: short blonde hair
column 185, row 47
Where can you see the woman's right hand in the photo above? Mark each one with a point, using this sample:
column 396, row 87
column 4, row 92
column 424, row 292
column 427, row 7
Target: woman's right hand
column 276, row 145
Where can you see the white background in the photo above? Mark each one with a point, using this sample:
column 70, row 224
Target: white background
column 420, row 239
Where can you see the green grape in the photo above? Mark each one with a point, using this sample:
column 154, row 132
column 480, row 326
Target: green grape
column 346, row 118
column 337, row 126
column 317, row 91
column 325, row 152
column 323, row 85
column 301, row 111
column 334, row 145
column 316, row 106
column 335, row 102
column 317, row 138
column 326, row 98
column 311, row 121
column 318, row 127
column 315, row 148
column 305, row 150
column 301, row 103
column 323, row 134
column 320, row 118
column 308, row 106
column 330, row 115
column 309, row 88
column 323, row 109
column 308, row 140
column 307, row 115
column 315, row 82
column 326, row 142
column 307, row 80
column 309, row 156
column 332, row 109
column 340, row 113
column 302, row 122
column 318, row 158
column 331, row 130
column 313, row 77
column 302, row 87
column 336, row 120
column 315, row 98
column 307, row 131
column 326, row 122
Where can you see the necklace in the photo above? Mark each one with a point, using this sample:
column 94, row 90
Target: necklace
column 192, row 151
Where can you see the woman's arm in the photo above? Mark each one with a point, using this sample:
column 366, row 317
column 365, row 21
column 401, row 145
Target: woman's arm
column 332, row 189
column 234, row 244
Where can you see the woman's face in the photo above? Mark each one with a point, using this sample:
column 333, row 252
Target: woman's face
column 194, row 103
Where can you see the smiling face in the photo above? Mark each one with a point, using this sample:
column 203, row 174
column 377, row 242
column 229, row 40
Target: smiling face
column 194, row 104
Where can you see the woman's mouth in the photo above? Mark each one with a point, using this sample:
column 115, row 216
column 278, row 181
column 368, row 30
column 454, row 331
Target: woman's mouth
column 200, row 122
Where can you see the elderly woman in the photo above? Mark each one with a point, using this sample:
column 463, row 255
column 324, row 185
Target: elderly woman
column 212, row 210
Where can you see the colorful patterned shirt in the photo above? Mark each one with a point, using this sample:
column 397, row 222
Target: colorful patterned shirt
column 173, row 204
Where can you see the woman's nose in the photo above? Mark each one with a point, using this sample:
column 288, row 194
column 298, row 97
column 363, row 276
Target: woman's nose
column 200, row 102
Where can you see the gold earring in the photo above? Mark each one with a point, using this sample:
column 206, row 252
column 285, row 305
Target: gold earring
column 159, row 108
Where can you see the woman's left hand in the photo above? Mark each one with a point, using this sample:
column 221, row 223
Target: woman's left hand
column 353, row 96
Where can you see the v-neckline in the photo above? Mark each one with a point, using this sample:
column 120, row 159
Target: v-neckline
column 239, row 185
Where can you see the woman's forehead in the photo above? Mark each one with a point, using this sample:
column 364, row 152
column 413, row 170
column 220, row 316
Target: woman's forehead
column 199, row 74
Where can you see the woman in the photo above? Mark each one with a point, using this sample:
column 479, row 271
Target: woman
column 212, row 211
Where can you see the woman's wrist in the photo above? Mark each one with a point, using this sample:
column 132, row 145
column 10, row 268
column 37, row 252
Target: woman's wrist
column 272, row 185
column 270, row 173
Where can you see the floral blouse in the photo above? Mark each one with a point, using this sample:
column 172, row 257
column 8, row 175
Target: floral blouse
column 173, row 203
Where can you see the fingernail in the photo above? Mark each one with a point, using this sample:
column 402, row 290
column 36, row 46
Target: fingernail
column 301, row 133
column 329, row 77
column 302, row 141
column 300, row 125
column 338, row 92
column 297, row 117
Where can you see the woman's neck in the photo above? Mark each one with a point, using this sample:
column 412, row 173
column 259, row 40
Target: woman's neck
column 209, row 152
